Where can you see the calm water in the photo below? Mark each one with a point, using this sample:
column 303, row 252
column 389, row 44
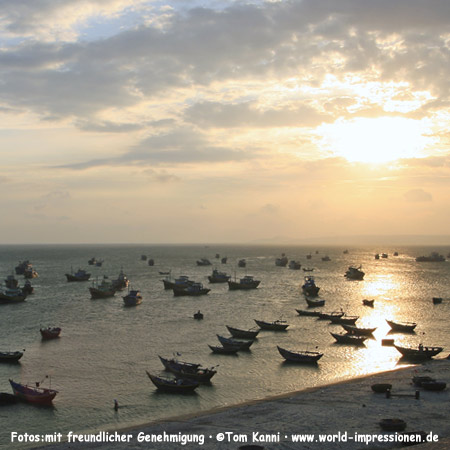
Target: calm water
column 105, row 348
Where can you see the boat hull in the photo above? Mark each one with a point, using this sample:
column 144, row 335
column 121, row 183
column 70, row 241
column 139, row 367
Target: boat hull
column 30, row 394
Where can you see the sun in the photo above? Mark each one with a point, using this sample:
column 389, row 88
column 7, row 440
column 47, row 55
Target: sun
column 375, row 140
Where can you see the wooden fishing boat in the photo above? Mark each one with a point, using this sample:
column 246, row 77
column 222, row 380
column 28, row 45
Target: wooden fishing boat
column 419, row 353
column 351, row 329
column 218, row 277
column 245, row 283
column 407, row 327
column 133, row 298
column 50, row 333
column 12, row 295
column 121, row 282
column 277, row 325
column 367, row 302
column 174, row 385
column 312, row 303
column 33, row 394
column 309, row 286
column 243, row 334
column 354, row 273
column 303, row 312
column 79, row 275
column 198, row 315
column 193, row 290
column 183, row 369
column 434, row 385
column 330, row 315
column 303, row 356
column 349, row 339
column 235, row 343
column 104, row 289
column 348, row 320
column 419, row 379
column 224, row 350
column 10, row 356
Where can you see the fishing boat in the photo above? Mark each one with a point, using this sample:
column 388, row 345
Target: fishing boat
column 351, row 329
column 92, row 261
column 312, row 303
column 330, row 315
column 22, row 267
column 349, row 338
column 104, row 289
column 79, row 275
column 303, row 356
column 198, row 315
column 203, row 262
column 181, row 282
column 243, row 334
column 281, row 262
column 306, row 312
column 50, row 333
column 30, row 273
column 121, row 282
column 12, row 295
column 194, row 290
column 10, row 356
column 433, row 257
column 218, row 277
column 326, row 258
column 184, row 369
column 174, row 385
column 224, row 350
column 133, row 298
column 354, row 273
column 348, row 320
column 242, row 263
column 224, row 260
column 309, row 286
column 294, row 265
column 308, row 269
column 367, row 302
column 419, row 353
column 277, row 325
column 27, row 288
column 11, row 282
column 235, row 343
column 245, row 283
column 402, row 326
column 437, row 300
column 33, row 394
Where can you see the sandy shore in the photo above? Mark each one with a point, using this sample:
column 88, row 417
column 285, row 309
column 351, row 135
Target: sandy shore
column 346, row 410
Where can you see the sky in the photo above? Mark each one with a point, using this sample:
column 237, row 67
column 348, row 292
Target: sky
column 140, row 121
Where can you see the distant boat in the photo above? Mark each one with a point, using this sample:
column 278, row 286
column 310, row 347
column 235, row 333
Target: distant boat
column 351, row 329
column 384, row 255
column 203, row 262
column 242, row 263
column 33, row 394
column 224, row 260
column 12, row 295
column 437, row 300
column 418, row 353
column 183, row 369
column 368, row 302
column 303, row 312
column 218, row 277
column 354, row 273
column 326, row 258
column 235, row 343
column 10, row 356
column 245, row 283
column 182, row 281
column 133, row 298
column 104, row 289
column 308, row 256
column 243, row 334
column 349, row 339
column 277, row 325
column 345, row 252
column 92, row 261
column 79, row 275
column 22, row 267
column 377, row 256
column 151, row 262
column 11, row 282
column 401, row 326
column 309, row 286
column 281, row 262
column 27, row 288
column 294, row 265
column 50, row 333
column 433, row 257
column 30, row 273
column 308, row 269
column 348, row 320
column 330, row 315
column 121, row 282
column 177, row 385
column 299, row 356
column 224, row 350
column 143, row 257
column 198, row 315
column 194, row 290
column 313, row 303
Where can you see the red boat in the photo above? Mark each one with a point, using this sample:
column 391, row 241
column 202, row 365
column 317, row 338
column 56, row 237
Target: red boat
column 50, row 332
column 33, row 394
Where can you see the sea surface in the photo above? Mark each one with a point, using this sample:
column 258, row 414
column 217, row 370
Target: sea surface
column 105, row 348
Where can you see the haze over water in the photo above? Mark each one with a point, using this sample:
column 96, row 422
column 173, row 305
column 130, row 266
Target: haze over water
column 105, row 348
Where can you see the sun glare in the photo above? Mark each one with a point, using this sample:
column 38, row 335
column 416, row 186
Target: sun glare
column 378, row 140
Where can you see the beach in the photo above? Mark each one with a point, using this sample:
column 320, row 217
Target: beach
column 342, row 415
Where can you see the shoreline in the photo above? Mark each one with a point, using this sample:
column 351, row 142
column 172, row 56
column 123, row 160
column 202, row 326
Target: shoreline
column 329, row 409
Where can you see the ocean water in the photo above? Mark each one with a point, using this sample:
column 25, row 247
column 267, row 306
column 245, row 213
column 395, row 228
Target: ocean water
column 105, row 348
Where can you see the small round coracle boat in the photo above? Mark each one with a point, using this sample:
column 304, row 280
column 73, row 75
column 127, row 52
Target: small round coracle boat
column 434, row 385
column 392, row 424
column 381, row 388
